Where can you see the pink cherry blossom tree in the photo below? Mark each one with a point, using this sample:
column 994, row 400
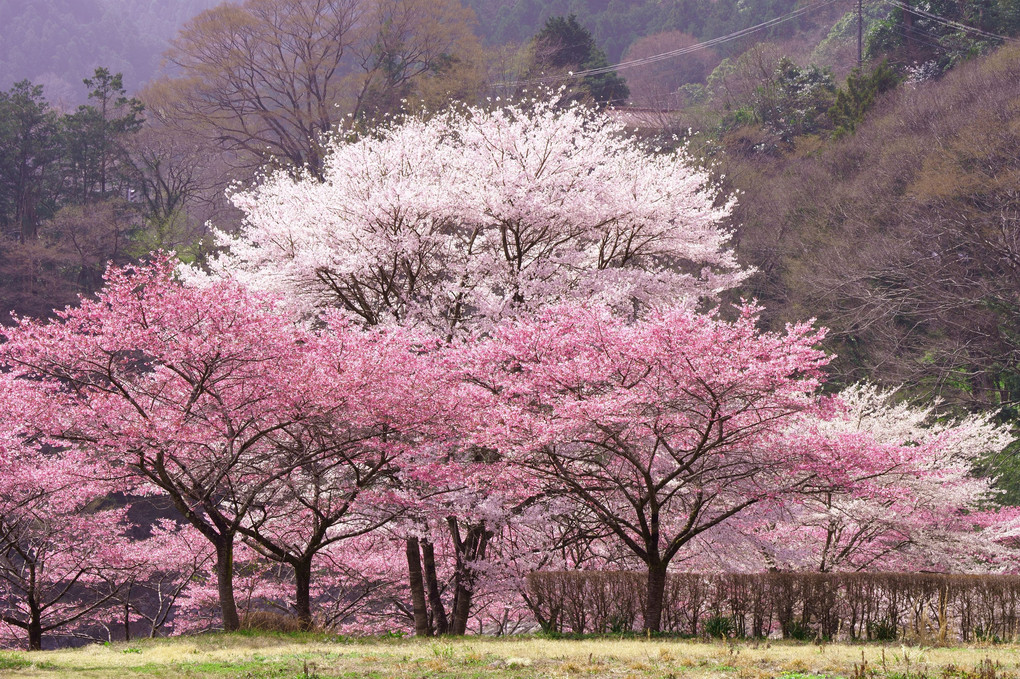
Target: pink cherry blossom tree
column 454, row 222
column 254, row 426
column 59, row 553
column 663, row 428
column 184, row 386
column 379, row 395
column 914, row 502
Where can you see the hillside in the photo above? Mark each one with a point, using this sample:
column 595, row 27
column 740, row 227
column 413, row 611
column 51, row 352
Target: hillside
column 903, row 237
column 616, row 25
column 56, row 43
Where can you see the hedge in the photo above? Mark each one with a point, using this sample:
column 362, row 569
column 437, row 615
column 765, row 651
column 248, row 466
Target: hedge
column 927, row 606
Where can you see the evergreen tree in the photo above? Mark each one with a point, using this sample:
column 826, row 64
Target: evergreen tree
column 29, row 150
column 94, row 136
column 564, row 46
column 859, row 95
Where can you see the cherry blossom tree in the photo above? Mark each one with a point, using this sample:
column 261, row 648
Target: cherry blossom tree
column 254, row 426
column 183, row 385
column 915, row 503
column 379, row 395
column 663, row 428
column 469, row 216
column 457, row 221
column 59, row 552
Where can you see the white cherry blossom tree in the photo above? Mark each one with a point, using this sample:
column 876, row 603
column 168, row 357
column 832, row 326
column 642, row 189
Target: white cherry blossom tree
column 466, row 217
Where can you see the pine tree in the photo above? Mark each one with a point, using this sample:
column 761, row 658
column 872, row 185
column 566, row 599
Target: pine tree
column 564, row 46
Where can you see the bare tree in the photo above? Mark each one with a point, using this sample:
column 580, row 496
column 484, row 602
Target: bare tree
column 656, row 83
column 179, row 186
column 270, row 79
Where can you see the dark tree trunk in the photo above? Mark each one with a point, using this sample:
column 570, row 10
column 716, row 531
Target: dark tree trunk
column 470, row 550
column 35, row 632
column 432, row 584
column 654, row 595
column 225, row 583
column 302, row 596
column 417, row 584
column 461, row 608
column 26, row 217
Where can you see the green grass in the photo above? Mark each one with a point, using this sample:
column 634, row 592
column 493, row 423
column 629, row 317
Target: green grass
column 299, row 656
column 12, row 661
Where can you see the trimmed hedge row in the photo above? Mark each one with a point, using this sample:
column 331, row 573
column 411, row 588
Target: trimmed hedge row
column 926, row 606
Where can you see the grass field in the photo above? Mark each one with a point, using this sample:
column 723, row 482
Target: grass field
column 281, row 656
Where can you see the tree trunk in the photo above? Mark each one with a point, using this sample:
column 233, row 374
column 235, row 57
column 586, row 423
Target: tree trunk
column 302, row 596
column 25, row 217
column 417, row 584
column 653, row 597
column 461, row 608
column 35, row 632
column 474, row 550
column 432, row 583
column 225, row 583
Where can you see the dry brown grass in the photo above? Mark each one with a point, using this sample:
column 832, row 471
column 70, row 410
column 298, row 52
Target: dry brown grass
column 270, row 621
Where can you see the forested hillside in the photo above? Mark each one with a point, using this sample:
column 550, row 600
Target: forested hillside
column 903, row 237
column 616, row 25
column 56, row 43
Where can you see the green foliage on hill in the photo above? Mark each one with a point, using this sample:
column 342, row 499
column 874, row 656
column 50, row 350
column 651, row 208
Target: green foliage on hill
column 794, row 101
column 858, row 96
column 936, row 34
column 63, row 183
column 616, row 24
column 564, row 46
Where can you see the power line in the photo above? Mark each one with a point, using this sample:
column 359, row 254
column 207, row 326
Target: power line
column 919, row 36
column 673, row 53
column 946, row 21
column 709, row 43
column 736, row 35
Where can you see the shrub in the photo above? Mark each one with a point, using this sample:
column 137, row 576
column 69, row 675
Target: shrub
column 718, row 627
column 878, row 606
column 269, row 621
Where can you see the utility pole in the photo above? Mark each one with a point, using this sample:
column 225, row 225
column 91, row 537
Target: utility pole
column 908, row 28
column 860, row 35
